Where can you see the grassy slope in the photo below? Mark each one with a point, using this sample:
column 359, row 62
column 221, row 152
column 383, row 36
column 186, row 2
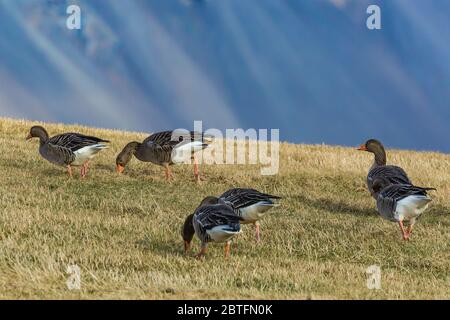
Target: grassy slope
column 124, row 231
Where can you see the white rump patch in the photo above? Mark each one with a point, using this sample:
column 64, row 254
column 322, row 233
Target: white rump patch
column 182, row 153
column 411, row 207
column 256, row 211
column 87, row 153
column 221, row 234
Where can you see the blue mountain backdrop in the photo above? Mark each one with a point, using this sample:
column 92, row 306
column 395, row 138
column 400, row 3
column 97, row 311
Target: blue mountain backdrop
column 308, row 67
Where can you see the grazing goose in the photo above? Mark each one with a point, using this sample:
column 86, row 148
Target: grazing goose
column 211, row 223
column 68, row 149
column 381, row 173
column 403, row 202
column 249, row 204
column 165, row 149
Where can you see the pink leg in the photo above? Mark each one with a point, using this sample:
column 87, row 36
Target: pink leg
column 83, row 171
column 69, row 169
column 410, row 229
column 227, row 249
column 168, row 173
column 196, row 171
column 404, row 233
column 86, row 167
column 257, row 231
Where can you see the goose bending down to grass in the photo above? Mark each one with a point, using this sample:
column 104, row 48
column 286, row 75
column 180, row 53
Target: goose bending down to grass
column 211, row 223
column 165, row 148
column 402, row 202
column 249, row 204
column 68, row 149
column 381, row 174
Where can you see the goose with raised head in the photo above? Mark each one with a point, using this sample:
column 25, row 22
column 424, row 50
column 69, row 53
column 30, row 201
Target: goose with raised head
column 380, row 173
column 165, row 149
column 68, row 149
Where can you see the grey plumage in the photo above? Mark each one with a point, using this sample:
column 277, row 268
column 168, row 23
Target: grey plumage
column 206, row 218
column 158, row 148
column 240, row 198
column 389, row 198
column 68, row 148
column 381, row 175
column 166, row 148
column 61, row 149
column 249, row 204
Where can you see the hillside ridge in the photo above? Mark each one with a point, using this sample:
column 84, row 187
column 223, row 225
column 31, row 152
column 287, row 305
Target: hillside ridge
column 123, row 231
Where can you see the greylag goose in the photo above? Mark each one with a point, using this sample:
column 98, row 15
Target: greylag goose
column 211, row 223
column 384, row 175
column 68, row 149
column 403, row 202
column 249, row 204
column 165, row 148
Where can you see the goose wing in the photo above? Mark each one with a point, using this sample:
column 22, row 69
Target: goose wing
column 161, row 144
column 391, row 174
column 401, row 191
column 241, row 198
column 61, row 149
column 383, row 176
column 161, row 138
column 170, row 139
column 389, row 197
column 216, row 215
column 74, row 141
column 175, row 146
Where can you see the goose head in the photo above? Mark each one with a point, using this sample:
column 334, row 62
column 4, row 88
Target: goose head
column 188, row 227
column 188, row 232
column 377, row 148
column 125, row 155
column 38, row 132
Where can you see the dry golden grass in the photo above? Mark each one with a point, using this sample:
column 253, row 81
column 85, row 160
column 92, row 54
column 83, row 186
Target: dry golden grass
column 124, row 231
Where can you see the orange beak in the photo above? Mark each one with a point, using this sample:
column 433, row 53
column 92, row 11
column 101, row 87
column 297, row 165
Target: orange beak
column 362, row 148
column 120, row 168
column 187, row 246
column 28, row 137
